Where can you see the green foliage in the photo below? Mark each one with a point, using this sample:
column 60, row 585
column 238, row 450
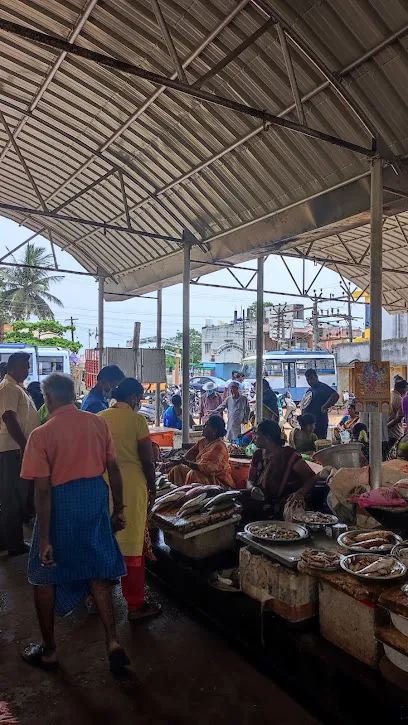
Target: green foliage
column 195, row 346
column 252, row 308
column 31, row 333
column 25, row 291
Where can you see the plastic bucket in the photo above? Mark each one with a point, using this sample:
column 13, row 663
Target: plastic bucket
column 164, row 438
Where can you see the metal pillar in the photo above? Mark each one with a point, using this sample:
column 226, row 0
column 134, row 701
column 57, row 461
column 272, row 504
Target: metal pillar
column 349, row 317
column 259, row 339
column 186, row 342
column 376, row 313
column 158, row 345
column 101, row 289
column 315, row 325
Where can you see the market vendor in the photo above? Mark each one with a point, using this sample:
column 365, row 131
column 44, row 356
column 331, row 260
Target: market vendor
column 277, row 472
column 207, row 462
column 348, row 421
column 303, row 439
column 173, row 416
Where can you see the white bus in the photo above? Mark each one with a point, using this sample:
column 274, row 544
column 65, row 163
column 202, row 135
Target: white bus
column 285, row 370
column 43, row 360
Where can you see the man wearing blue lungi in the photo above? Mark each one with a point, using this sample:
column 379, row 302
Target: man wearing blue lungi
column 74, row 549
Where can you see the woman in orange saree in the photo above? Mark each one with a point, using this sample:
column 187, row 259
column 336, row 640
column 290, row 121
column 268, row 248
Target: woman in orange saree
column 207, row 462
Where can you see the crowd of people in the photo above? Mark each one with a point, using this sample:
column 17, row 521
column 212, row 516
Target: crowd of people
column 89, row 477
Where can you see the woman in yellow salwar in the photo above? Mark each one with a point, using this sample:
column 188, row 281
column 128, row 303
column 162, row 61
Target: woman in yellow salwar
column 134, row 454
column 207, row 462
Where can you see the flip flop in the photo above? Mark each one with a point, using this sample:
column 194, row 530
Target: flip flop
column 33, row 655
column 118, row 659
column 147, row 611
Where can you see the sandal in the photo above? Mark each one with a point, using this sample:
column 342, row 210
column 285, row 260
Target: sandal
column 33, row 655
column 148, row 610
column 118, row 659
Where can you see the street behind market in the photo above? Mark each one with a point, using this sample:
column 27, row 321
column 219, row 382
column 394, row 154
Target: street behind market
column 182, row 672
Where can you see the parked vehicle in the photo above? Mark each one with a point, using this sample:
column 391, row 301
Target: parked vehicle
column 200, row 380
column 285, row 370
column 43, row 360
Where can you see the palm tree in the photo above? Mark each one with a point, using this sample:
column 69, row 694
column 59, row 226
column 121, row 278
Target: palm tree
column 25, row 290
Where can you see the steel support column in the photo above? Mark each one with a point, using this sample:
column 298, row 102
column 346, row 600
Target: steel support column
column 376, row 312
column 158, row 345
column 259, row 338
column 101, row 289
column 186, row 342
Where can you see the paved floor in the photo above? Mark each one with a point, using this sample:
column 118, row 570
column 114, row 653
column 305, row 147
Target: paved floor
column 182, row 672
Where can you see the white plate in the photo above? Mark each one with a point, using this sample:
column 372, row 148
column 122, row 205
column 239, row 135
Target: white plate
column 396, row 575
column 358, row 550
column 301, row 530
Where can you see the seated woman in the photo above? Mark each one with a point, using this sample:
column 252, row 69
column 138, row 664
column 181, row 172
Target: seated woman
column 360, row 435
column 347, row 422
column 207, row 461
column 303, row 439
column 277, row 472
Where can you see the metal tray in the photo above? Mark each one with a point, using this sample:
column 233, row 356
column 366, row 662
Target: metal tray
column 302, row 530
column 395, row 551
column 315, row 526
column 355, row 550
column 397, row 575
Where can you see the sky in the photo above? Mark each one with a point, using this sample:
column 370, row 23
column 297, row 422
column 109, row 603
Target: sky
column 80, row 295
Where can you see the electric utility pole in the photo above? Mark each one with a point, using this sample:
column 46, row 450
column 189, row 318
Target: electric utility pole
column 347, row 290
column 72, row 320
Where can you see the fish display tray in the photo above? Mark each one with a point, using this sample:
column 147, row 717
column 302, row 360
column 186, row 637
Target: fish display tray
column 391, row 577
column 288, row 555
column 299, row 529
column 168, row 521
column 204, row 542
column 357, row 550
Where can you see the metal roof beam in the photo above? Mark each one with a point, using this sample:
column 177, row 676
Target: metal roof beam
column 124, row 197
column 53, row 248
column 81, row 20
column 58, row 208
column 314, row 280
column 22, row 160
column 290, row 272
column 169, row 41
column 255, row 132
column 266, row 291
column 306, row 49
column 105, row 226
column 291, row 74
column 159, row 80
column 244, row 139
column 148, row 102
column 234, row 54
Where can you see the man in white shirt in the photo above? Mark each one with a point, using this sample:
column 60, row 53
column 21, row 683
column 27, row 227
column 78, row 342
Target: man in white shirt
column 237, row 408
column 18, row 417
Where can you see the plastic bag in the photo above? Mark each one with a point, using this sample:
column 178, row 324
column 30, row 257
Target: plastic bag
column 293, row 506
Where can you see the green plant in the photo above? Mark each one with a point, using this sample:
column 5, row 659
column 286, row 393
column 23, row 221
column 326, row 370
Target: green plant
column 26, row 290
column 32, row 333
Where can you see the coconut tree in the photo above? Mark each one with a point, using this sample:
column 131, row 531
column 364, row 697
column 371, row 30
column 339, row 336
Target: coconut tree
column 25, row 291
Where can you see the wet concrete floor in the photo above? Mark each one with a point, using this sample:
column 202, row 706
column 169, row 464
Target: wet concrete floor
column 181, row 673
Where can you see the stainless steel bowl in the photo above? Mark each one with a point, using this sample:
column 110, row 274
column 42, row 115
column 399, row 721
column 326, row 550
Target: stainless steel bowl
column 301, row 530
column 345, row 560
column 346, row 455
column 360, row 550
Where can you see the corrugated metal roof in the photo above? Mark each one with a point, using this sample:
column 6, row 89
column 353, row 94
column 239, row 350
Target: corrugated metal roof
column 187, row 163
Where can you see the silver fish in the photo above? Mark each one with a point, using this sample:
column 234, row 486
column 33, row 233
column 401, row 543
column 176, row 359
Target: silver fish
column 170, row 498
column 225, row 496
column 192, row 503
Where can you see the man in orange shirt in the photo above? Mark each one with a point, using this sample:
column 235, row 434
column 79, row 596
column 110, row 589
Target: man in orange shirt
column 74, row 549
